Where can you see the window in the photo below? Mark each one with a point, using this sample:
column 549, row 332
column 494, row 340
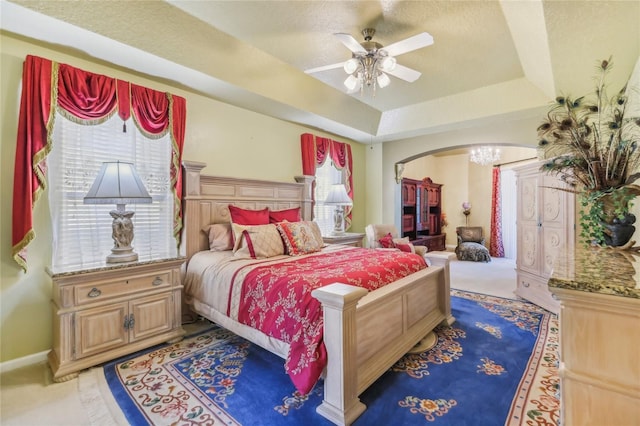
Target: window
column 82, row 232
column 326, row 175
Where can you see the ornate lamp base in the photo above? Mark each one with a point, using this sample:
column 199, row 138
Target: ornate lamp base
column 338, row 221
column 122, row 236
column 122, row 254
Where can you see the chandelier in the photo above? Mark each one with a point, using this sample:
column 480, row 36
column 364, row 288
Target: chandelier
column 484, row 155
column 367, row 69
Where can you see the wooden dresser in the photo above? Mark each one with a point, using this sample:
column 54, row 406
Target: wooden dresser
column 107, row 311
column 599, row 294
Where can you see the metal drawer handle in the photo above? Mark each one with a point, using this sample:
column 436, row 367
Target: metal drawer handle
column 94, row 292
column 129, row 321
column 157, row 281
column 525, row 284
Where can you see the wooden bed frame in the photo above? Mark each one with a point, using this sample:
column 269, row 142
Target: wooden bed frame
column 364, row 333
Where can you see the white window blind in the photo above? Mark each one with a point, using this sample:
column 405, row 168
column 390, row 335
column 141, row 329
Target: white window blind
column 326, row 175
column 82, row 232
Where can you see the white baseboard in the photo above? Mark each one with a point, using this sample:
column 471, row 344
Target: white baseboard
column 23, row 361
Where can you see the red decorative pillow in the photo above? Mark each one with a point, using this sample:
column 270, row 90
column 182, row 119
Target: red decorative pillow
column 242, row 216
column 289, row 215
column 387, row 241
column 405, row 247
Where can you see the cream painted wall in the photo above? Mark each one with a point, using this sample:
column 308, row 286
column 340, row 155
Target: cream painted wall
column 518, row 132
column 452, row 173
column 374, row 183
column 232, row 141
column 463, row 181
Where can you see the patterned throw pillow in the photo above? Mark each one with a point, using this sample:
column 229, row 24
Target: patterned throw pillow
column 220, row 236
column 257, row 242
column 289, row 215
column 300, row 237
column 242, row 216
column 387, row 241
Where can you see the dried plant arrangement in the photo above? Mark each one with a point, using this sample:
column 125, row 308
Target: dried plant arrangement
column 592, row 146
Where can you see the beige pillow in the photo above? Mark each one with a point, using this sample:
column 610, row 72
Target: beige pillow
column 403, row 240
column 382, row 230
column 257, row 241
column 220, row 237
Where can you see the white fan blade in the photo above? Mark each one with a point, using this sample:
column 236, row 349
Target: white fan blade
column 404, row 73
column 351, row 43
column 408, row 44
column 324, row 68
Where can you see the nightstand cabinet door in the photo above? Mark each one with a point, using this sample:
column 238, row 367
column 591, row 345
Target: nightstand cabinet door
column 151, row 315
column 100, row 329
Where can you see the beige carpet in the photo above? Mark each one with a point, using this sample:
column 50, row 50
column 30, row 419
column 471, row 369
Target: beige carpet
column 29, row 397
column 496, row 278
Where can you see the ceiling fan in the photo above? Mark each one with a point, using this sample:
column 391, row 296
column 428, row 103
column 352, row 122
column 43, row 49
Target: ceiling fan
column 371, row 62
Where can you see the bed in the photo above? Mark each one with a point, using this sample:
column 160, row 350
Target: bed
column 364, row 332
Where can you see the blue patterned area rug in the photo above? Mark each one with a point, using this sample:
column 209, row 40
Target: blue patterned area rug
column 496, row 365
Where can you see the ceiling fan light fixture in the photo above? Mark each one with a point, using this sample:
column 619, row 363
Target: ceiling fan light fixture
column 388, row 64
column 351, row 65
column 383, row 80
column 370, row 61
column 352, row 83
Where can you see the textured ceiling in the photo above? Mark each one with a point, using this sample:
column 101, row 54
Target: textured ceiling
column 490, row 60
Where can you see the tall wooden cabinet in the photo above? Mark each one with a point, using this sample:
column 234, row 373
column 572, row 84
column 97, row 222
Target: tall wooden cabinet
column 545, row 229
column 422, row 212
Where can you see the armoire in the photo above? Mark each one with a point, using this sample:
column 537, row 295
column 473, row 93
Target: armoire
column 421, row 212
column 545, row 224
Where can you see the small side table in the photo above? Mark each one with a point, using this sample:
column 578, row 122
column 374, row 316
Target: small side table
column 111, row 310
column 348, row 238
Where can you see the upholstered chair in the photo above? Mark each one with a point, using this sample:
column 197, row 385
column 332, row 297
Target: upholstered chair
column 471, row 244
column 375, row 233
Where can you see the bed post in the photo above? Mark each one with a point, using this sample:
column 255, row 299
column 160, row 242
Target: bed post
column 441, row 258
column 191, row 190
column 307, row 205
column 341, row 404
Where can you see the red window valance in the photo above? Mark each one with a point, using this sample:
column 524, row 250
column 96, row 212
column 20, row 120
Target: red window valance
column 315, row 151
column 85, row 98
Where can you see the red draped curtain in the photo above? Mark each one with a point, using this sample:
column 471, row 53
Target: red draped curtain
column 85, row 98
column 315, row 151
column 496, row 248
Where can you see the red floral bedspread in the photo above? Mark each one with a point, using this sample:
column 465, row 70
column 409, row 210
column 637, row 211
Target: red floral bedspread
column 276, row 299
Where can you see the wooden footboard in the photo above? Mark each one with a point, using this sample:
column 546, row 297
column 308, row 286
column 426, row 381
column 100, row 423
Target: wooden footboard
column 366, row 333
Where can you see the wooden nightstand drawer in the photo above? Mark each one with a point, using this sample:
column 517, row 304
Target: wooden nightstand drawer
column 94, row 292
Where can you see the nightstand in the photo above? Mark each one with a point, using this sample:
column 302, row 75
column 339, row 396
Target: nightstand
column 348, row 238
column 110, row 310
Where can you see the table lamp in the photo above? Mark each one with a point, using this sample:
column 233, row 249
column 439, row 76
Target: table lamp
column 338, row 197
column 118, row 183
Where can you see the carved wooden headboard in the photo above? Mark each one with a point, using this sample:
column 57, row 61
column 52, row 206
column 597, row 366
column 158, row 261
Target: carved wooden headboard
column 206, row 200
